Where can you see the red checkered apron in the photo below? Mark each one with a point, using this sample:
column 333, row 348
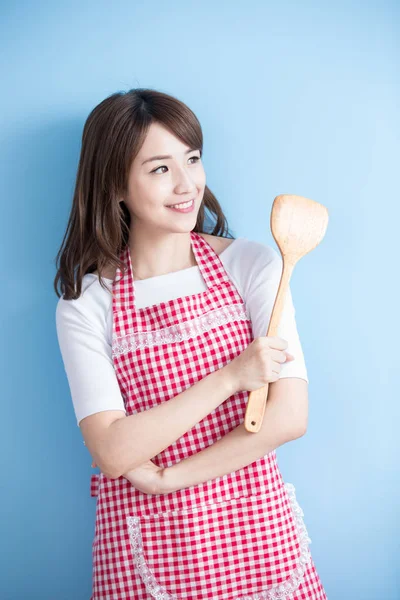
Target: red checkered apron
column 236, row 537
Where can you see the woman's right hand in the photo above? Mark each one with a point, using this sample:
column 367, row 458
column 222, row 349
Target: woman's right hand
column 260, row 363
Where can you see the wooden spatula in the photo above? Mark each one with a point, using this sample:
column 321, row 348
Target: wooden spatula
column 298, row 225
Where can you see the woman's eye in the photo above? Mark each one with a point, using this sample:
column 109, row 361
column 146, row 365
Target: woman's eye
column 164, row 167
column 158, row 168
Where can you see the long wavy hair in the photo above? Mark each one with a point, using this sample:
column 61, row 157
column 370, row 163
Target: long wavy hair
column 98, row 226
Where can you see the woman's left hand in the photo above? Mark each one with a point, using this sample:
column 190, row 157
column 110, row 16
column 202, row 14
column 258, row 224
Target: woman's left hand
column 146, row 478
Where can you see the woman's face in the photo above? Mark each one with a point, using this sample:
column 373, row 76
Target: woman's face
column 154, row 185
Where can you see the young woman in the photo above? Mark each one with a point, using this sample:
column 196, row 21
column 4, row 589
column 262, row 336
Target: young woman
column 162, row 329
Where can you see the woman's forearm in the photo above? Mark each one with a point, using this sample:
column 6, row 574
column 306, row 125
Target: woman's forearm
column 135, row 439
column 238, row 448
column 235, row 450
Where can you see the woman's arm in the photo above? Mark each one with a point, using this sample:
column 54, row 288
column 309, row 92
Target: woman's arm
column 285, row 419
column 119, row 444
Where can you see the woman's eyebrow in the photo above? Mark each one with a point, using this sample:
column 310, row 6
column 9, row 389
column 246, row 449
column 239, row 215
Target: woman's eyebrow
column 164, row 156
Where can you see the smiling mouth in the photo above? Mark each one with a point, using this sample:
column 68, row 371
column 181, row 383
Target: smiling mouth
column 186, row 204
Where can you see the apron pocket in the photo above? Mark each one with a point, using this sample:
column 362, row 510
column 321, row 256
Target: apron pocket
column 246, row 545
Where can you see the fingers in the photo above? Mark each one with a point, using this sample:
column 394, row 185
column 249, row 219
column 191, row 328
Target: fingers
column 281, row 356
column 277, row 343
column 279, row 353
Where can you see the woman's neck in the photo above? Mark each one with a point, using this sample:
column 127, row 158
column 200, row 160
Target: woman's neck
column 159, row 255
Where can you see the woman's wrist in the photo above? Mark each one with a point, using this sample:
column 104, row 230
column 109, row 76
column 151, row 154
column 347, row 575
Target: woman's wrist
column 229, row 379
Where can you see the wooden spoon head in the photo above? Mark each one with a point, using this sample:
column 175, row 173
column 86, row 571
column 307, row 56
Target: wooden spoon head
column 298, row 225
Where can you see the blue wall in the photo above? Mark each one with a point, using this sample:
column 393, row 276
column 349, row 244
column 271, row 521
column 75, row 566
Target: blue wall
column 298, row 98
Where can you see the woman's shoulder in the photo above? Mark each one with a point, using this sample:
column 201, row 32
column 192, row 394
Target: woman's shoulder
column 246, row 251
column 217, row 243
column 90, row 306
column 246, row 258
column 249, row 261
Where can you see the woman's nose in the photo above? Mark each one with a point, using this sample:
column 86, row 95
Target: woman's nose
column 184, row 182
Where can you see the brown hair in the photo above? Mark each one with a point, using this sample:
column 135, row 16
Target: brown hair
column 98, row 226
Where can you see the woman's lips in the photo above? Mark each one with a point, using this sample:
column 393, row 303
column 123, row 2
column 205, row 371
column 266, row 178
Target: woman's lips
column 185, row 209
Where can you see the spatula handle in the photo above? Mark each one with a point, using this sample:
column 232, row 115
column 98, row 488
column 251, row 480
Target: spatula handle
column 257, row 398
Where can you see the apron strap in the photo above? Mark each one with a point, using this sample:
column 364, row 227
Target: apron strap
column 94, row 485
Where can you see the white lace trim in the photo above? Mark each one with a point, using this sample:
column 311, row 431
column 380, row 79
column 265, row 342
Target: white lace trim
column 181, row 331
column 277, row 592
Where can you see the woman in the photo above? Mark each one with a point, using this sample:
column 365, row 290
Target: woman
column 162, row 332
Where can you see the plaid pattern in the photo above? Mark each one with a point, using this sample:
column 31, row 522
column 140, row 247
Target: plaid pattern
column 240, row 536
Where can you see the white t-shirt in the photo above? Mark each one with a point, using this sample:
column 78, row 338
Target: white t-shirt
column 84, row 325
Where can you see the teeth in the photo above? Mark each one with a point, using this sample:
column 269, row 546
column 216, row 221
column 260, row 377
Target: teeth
column 184, row 205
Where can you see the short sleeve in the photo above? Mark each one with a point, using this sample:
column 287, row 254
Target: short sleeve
column 263, row 283
column 86, row 354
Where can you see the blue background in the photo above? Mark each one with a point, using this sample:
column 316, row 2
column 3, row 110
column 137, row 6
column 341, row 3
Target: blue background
column 299, row 98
